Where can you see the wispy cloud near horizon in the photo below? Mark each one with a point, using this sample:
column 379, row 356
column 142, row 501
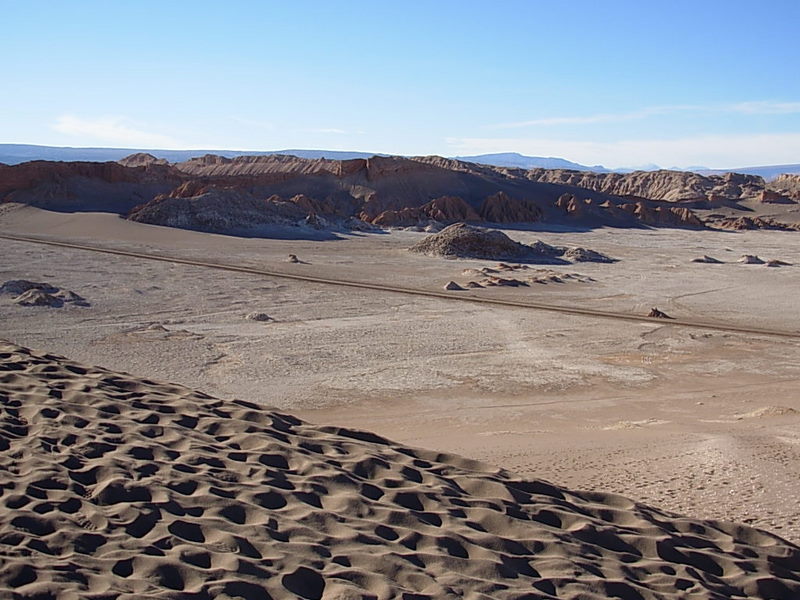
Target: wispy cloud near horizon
column 713, row 151
column 111, row 130
column 330, row 131
column 756, row 107
column 766, row 108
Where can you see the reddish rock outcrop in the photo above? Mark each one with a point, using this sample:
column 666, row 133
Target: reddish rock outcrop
column 141, row 159
column 450, row 209
column 501, row 208
column 746, row 223
column 787, row 186
column 663, row 216
column 406, row 217
column 106, row 186
column 212, row 210
column 211, row 165
column 773, row 197
column 670, row 186
column 314, row 206
column 576, row 208
column 447, row 209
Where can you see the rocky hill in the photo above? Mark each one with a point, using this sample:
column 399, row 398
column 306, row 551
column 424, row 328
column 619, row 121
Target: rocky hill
column 85, row 186
column 222, row 194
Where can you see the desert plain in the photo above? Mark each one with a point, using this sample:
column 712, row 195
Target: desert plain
column 699, row 420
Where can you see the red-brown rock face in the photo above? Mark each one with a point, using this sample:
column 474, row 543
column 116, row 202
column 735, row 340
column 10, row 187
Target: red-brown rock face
column 27, row 175
column 787, row 186
column 314, row 206
column 450, row 209
column 84, row 185
column 501, row 208
column 745, row 223
column 447, row 209
column 141, row 159
column 663, row 216
column 574, row 207
column 773, row 197
column 671, row 186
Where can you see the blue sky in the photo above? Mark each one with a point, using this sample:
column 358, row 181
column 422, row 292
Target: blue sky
column 615, row 83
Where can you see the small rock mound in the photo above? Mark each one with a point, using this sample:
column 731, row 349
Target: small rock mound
column 258, row 316
column 490, row 276
column 33, row 293
column 18, row 286
column 657, row 314
column 38, row 298
column 453, row 287
column 777, row 263
column 707, row 259
column 495, row 281
column 767, row 411
column 546, row 277
column 587, row 255
column 750, row 259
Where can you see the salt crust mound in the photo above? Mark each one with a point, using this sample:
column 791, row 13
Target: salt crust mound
column 115, row 487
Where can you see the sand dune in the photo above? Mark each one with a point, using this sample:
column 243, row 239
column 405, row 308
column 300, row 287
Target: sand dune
column 118, row 487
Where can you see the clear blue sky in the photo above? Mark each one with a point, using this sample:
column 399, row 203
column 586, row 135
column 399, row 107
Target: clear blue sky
column 675, row 83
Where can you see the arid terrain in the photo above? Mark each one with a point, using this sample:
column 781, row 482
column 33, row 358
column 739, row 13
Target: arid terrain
column 129, row 488
column 697, row 420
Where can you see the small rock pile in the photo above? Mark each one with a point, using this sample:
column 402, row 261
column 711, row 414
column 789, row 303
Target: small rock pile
column 33, row 293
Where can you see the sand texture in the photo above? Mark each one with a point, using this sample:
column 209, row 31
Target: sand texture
column 119, row 487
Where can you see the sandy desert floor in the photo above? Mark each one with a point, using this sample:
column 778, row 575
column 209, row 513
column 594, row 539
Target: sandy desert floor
column 119, row 487
column 698, row 421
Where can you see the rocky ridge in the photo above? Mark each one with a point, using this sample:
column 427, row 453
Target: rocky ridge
column 670, row 186
column 384, row 191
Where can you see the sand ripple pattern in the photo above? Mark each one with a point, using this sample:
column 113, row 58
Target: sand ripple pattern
column 116, row 487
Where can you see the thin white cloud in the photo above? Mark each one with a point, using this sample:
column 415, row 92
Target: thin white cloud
column 766, row 108
column 600, row 118
column 253, row 122
column 110, row 130
column 332, row 130
column 715, row 151
column 750, row 108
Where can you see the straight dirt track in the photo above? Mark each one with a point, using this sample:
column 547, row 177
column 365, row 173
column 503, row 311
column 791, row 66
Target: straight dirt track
column 453, row 296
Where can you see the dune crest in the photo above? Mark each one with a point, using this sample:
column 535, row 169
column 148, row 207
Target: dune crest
column 119, row 487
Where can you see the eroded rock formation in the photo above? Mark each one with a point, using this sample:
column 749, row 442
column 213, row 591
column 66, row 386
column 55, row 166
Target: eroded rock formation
column 670, row 186
column 425, row 192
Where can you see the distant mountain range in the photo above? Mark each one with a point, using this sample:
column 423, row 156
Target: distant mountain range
column 768, row 172
column 514, row 159
column 12, row 154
